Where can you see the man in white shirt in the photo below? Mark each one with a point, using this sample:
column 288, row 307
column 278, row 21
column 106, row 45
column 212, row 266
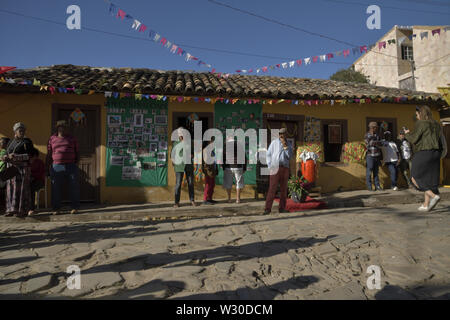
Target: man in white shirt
column 278, row 156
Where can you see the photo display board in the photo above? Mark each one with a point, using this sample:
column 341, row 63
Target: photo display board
column 136, row 142
column 235, row 116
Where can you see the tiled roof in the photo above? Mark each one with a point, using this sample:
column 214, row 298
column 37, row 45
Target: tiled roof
column 184, row 83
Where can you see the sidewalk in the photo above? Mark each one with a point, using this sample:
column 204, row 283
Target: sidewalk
column 164, row 210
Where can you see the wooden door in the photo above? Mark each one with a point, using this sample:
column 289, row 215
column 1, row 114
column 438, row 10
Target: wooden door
column 88, row 135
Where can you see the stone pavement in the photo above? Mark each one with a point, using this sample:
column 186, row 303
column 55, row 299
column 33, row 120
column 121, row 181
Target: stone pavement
column 164, row 210
column 321, row 254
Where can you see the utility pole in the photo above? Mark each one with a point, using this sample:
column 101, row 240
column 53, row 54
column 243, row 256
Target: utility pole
column 413, row 67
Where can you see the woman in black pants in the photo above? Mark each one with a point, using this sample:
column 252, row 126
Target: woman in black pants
column 425, row 169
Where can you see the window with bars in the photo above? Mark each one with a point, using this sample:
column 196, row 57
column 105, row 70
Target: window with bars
column 407, row 53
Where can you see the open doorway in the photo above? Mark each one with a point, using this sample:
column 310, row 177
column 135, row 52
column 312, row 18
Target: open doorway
column 186, row 120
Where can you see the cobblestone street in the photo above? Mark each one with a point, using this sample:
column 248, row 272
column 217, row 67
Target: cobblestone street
column 307, row 255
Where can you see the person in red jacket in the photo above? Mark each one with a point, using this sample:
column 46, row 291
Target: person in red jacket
column 37, row 177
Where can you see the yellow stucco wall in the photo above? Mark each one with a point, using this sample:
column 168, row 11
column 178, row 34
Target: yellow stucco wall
column 35, row 111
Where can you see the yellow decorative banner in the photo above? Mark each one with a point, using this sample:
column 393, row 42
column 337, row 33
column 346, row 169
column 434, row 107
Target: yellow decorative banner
column 445, row 93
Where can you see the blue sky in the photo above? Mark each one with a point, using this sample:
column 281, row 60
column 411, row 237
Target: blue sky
column 29, row 43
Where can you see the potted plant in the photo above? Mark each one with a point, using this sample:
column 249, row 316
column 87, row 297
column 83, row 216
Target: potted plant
column 298, row 188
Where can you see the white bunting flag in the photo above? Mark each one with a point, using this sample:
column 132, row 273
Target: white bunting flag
column 307, row 61
column 291, row 64
column 136, row 24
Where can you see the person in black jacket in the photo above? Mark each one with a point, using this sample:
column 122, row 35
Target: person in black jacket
column 18, row 192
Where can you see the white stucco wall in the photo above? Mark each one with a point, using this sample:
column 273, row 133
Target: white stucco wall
column 388, row 71
column 432, row 74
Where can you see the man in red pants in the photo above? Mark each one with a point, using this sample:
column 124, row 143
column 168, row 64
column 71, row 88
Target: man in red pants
column 278, row 156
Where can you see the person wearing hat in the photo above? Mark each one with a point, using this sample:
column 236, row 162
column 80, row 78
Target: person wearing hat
column 62, row 163
column 18, row 192
column 406, row 154
column 373, row 156
column 183, row 165
column 391, row 158
column 278, row 157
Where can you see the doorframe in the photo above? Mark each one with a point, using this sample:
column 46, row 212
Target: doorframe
column 300, row 119
column 91, row 107
column 209, row 115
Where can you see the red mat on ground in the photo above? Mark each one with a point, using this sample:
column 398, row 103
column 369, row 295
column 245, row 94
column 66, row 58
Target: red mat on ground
column 309, row 204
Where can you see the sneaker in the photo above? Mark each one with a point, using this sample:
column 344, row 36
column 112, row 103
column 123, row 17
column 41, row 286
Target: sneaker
column 378, row 188
column 433, row 202
column 74, row 211
column 423, row 208
column 56, row 212
column 395, row 188
column 31, row 213
column 266, row 212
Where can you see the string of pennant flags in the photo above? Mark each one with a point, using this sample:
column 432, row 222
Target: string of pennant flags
column 155, row 36
column 175, row 49
column 344, row 53
column 212, row 100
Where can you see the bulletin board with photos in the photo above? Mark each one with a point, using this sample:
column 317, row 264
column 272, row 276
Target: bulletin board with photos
column 243, row 116
column 136, row 142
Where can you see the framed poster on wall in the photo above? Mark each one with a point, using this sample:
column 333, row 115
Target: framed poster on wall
column 133, row 156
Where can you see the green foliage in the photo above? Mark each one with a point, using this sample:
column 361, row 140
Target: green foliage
column 349, row 75
column 298, row 185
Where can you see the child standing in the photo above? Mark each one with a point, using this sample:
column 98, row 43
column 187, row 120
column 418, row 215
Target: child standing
column 406, row 153
column 391, row 158
column 37, row 181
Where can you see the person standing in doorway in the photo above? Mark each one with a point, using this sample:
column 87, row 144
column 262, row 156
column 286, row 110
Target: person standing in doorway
column 425, row 167
column 183, row 168
column 278, row 157
column 373, row 143
column 391, row 158
column 62, row 163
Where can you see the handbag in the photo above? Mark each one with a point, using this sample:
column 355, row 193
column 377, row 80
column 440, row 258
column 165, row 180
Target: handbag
column 442, row 146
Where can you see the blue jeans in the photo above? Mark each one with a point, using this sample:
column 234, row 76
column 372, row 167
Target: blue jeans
column 372, row 165
column 58, row 174
column 179, row 180
column 392, row 166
